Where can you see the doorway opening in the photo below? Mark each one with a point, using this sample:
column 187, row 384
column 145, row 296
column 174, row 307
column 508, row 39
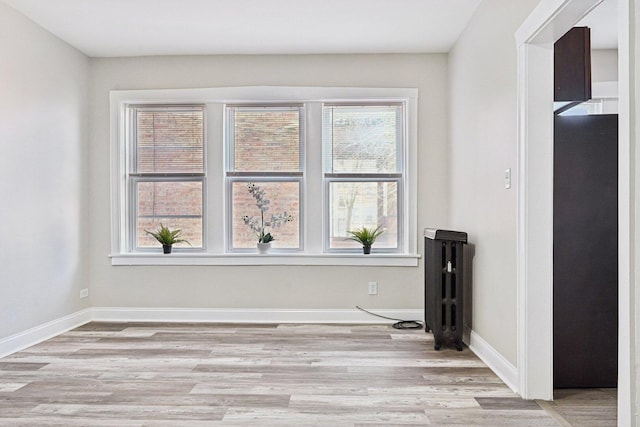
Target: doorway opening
column 535, row 38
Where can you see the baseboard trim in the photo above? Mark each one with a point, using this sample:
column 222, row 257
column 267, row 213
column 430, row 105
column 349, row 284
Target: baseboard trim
column 232, row 315
column 37, row 334
column 494, row 360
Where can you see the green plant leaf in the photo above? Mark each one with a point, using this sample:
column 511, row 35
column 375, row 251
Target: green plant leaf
column 166, row 236
column 266, row 238
column 365, row 236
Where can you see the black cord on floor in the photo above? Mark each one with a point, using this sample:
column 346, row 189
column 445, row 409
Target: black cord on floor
column 400, row 324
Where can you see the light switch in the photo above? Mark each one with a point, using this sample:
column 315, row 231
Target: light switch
column 507, row 178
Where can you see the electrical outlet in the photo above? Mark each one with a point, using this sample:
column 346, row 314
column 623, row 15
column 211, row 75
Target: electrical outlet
column 84, row 293
column 373, row 288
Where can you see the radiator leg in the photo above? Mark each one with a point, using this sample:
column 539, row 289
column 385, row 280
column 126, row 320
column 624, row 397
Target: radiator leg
column 437, row 342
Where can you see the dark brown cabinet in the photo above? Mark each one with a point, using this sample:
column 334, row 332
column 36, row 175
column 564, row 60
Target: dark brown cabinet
column 572, row 66
column 585, row 251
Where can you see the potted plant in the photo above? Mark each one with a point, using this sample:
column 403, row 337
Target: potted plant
column 167, row 237
column 259, row 225
column 366, row 237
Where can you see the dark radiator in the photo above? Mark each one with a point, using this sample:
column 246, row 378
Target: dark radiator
column 443, row 285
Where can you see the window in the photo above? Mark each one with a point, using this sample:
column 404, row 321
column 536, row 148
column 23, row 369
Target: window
column 166, row 180
column 363, row 150
column 333, row 159
column 265, row 147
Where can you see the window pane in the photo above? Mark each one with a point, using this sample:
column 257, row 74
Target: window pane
column 363, row 204
column 283, row 197
column 170, row 141
column 191, row 231
column 266, row 140
column 175, row 205
column 362, row 139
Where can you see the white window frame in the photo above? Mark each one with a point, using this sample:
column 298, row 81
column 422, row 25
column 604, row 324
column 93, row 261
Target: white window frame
column 398, row 177
column 231, row 175
column 134, row 177
column 313, row 208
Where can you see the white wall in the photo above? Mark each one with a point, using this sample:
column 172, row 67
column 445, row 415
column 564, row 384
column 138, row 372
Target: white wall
column 604, row 65
column 272, row 286
column 634, row 77
column 483, row 135
column 43, row 175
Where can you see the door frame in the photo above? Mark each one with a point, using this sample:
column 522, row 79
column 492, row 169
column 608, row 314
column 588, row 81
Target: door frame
column 534, row 39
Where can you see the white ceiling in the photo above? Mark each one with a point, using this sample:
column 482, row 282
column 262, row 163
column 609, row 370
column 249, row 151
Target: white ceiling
column 603, row 21
column 108, row 28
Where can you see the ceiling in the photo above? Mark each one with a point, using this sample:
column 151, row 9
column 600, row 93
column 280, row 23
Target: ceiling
column 110, row 28
column 603, row 22
column 107, row 28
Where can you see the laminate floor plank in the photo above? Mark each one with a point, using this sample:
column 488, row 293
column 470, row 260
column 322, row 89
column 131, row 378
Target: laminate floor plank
column 8, row 366
column 587, row 407
column 192, row 374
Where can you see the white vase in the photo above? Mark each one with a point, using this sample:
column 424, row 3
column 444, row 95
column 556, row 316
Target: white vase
column 263, row 248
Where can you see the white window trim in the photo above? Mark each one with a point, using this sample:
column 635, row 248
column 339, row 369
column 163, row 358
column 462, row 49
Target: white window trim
column 134, row 178
column 398, row 177
column 235, row 95
column 231, row 175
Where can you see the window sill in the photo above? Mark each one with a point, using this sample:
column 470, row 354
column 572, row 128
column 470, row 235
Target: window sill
column 374, row 260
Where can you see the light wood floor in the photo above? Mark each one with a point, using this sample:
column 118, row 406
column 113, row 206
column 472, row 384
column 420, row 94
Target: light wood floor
column 116, row 374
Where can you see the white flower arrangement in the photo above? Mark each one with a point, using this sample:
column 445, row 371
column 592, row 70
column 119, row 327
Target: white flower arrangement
column 259, row 225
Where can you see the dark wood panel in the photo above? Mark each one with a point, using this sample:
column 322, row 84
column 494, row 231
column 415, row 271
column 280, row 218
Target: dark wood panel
column 572, row 66
column 585, row 241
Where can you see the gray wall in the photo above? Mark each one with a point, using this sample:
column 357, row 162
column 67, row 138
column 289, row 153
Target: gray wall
column 483, row 141
column 43, row 175
column 267, row 286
